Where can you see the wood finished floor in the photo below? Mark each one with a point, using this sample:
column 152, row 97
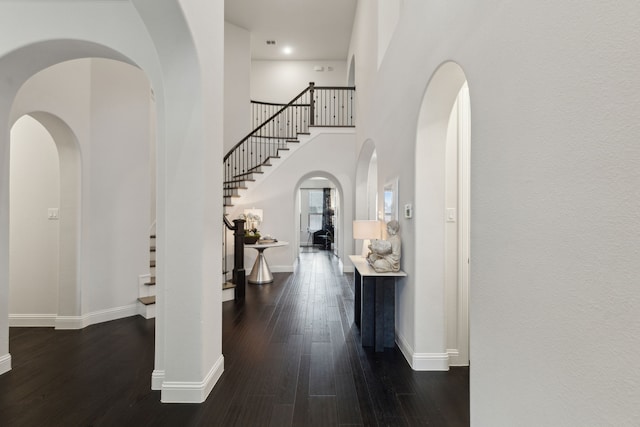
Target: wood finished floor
column 292, row 358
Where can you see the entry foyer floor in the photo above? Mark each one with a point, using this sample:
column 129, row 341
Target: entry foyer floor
column 292, row 358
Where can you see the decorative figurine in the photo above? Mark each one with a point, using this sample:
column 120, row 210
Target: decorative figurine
column 385, row 254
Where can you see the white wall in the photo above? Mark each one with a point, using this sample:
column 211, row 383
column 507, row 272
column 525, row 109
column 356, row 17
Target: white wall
column 554, row 170
column 388, row 14
column 237, row 75
column 119, row 182
column 281, row 81
column 35, row 188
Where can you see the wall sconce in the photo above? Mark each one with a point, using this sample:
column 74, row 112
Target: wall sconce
column 366, row 230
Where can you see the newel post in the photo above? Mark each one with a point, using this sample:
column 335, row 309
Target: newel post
column 239, row 275
column 312, row 104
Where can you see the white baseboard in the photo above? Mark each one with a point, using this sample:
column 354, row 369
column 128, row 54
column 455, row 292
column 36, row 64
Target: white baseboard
column 192, row 392
column 455, row 359
column 32, row 320
column 5, row 363
column 147, row 311
column 157, row 377
column 422, row 361
column 100, row 316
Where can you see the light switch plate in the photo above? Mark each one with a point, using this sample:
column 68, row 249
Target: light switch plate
column 451, row 215
column 408, row 211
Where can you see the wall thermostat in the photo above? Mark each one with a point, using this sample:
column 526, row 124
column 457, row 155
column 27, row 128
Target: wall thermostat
column 408, row 211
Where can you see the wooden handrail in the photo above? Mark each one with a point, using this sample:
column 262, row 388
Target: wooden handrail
column 314, row 106
column 253, row 132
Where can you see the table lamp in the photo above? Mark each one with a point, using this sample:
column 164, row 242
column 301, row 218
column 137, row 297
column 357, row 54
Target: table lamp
column 366, row 230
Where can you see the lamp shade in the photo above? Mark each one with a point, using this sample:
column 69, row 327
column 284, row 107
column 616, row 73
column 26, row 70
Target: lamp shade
column 366, row 229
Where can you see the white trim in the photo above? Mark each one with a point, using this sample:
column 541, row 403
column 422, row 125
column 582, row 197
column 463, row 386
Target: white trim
column 5, row 363
column 157, row 378
column 100, row 316
column 32, row 320
column 430, row 362
column 456, row 359
column 70, row 322
column 464, row 236
column 192, row 392
column 422, row 361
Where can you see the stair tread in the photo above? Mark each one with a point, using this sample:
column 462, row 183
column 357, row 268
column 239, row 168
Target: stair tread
column 150, row 283
column 228, row 285
column 148, row 300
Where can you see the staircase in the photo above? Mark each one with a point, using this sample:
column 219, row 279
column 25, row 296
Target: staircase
column 147, row 285
column 325, row 106
column 248, row 160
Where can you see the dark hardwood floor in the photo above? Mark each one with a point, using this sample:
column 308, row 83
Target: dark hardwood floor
column 292, row 358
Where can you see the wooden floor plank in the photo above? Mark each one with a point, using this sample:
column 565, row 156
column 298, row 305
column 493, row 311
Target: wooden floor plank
column 292, row 358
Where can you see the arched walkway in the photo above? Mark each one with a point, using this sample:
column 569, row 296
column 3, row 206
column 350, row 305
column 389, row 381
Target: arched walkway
column 432, row 337
column 61, row 237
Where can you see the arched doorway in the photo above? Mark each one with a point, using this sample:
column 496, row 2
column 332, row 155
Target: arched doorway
column 442, row 203
column 319, row 221
column 44, row 221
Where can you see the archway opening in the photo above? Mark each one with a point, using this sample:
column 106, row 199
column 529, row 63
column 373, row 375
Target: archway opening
column 34, row 225
column 110, row 105
column 442, row 208
column 318, row 207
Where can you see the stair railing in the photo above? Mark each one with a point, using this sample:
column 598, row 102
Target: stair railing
column 239, row 274
column 315, row 106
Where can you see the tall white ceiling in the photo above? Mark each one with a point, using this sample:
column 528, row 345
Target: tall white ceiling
column 314, row 29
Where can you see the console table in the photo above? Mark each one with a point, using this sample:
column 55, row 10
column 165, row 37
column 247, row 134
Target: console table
column 260, row 273
column 374, row 304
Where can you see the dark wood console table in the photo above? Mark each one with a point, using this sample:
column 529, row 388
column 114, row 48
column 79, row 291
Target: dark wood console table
column 374, row 304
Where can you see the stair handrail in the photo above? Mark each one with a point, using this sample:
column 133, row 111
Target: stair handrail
column 331, row 106
column 266, row 122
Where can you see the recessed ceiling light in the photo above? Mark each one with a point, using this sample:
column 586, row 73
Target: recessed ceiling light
column 287, row 50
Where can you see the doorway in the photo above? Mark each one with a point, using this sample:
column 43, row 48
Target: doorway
column 317, row 210
column 442, row 199
column 44, row 221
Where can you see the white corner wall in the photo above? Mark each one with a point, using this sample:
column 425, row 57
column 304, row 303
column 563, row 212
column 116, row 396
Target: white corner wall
column 237, row 75
column 119, row 183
